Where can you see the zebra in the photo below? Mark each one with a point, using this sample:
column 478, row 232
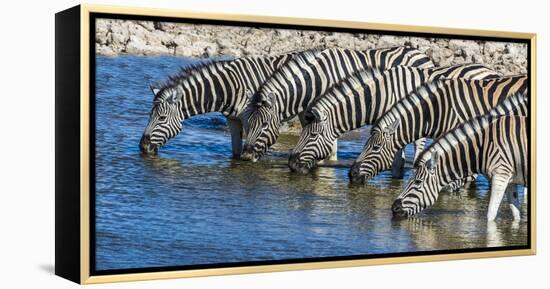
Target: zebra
column 493, row 145
column 288, row 91
column 429, row 112
column 360, row 100
column 212, row 86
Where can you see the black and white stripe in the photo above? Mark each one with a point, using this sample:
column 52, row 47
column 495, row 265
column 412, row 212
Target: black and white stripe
column 429, row 112
column 288, row 92
column 221, row 86
column 494, row 146
column 360, row 100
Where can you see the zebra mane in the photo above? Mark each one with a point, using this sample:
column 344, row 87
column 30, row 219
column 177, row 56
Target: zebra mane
column 184, row 72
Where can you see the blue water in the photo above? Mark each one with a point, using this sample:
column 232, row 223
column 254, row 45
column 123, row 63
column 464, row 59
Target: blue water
column 193, row 204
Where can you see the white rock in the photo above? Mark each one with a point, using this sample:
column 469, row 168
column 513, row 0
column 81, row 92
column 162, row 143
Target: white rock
column 494, row 47
column 441, row 57
column 391, row 41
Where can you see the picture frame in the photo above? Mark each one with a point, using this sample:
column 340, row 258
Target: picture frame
column 75, row 198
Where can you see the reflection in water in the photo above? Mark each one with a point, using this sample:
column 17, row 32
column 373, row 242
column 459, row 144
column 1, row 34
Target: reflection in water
column 194, row 204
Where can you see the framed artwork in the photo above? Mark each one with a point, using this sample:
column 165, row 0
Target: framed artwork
column 194, row 144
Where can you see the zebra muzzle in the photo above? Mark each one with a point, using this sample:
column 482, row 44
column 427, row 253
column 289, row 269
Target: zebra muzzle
column 146, row 147
column 397, row 209
column 297, row 166
column 354, row 174
column 248, row 154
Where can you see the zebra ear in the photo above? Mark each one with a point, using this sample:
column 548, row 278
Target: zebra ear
column 155, row 90
column 433, row 161
column 266, row 100
column 392, row 127
column 270, row 97
column 320, row 115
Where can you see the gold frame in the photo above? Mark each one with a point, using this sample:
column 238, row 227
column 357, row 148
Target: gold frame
column 86, row 278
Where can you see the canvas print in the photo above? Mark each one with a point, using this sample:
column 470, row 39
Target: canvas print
column 228, row 144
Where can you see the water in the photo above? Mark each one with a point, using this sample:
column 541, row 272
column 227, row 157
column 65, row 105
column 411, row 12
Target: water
column 193, row 204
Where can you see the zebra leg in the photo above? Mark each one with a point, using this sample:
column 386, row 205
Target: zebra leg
column 398, row 164
column 513, row 201
column 236, row 128
column 499, row 183
column 334, row 151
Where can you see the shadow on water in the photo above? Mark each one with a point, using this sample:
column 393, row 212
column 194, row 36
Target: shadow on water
column 193, row 204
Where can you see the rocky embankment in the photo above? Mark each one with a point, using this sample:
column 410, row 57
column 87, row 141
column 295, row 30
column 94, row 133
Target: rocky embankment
column 117, row 37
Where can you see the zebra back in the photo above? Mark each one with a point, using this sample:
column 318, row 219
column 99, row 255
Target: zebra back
column 386, row 58
column 466, row 71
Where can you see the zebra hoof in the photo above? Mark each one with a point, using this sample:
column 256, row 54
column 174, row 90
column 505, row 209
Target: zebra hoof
column 355, row 177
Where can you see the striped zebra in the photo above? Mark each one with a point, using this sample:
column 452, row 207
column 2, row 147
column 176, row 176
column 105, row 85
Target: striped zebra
column 215, row 86
column 360, row 100
column 429, row 112
column 288, row 91
column 494, row 146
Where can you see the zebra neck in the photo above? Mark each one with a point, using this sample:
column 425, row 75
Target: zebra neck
column 292, row 101
column 461, row 155
column 457, row 169
column 426, row 114
column 365, row 100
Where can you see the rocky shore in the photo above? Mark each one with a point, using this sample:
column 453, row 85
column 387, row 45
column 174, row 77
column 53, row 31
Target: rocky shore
column 119, row 37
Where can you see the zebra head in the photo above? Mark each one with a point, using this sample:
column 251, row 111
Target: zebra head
column 165, row 120
column 315, row 142
column 261, row 126
column 377, row 154
column 422, row 189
